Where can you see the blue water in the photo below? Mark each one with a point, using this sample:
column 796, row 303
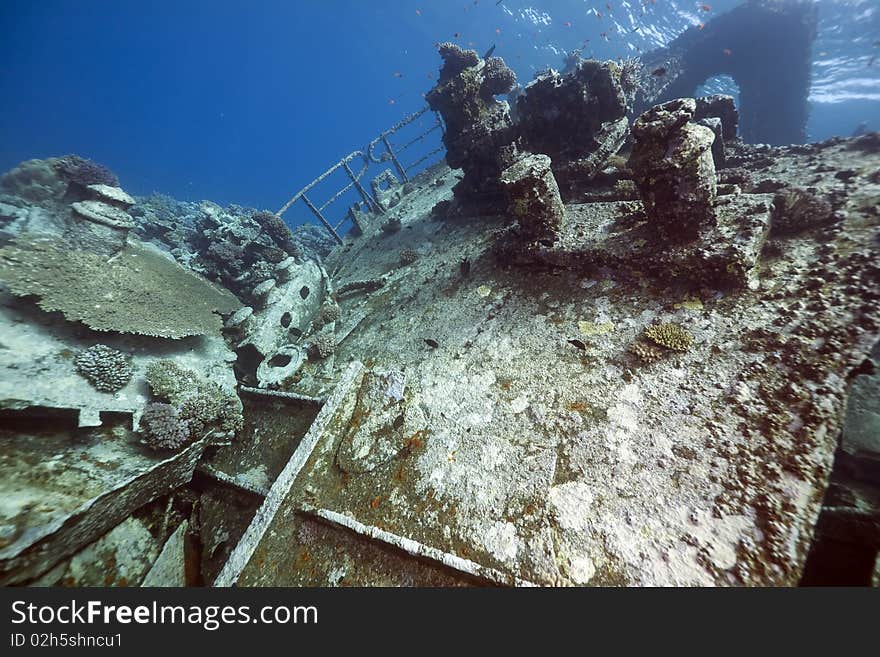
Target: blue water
column 245, row 102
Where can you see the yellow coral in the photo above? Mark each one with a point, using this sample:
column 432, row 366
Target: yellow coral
column 592, row 328
column 670, row 335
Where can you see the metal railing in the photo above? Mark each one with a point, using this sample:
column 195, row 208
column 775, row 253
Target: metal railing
column 367, row 157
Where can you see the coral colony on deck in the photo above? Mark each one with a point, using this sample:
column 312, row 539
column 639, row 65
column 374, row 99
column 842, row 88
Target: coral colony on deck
column 606, row 342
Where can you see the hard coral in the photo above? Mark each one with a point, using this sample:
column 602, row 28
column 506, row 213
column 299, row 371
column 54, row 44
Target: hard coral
column 162, row 427
column 328, row 313
column 106, row 369
column 408, row 257
column 170, row 381
column 499, row 79
column 670, row 335
column 118, row 295
column 323, row 345
column 646, row 351
column 455, row 60
column 274, row 227
column 33, row 180
column 202, row 404
column 81, row 171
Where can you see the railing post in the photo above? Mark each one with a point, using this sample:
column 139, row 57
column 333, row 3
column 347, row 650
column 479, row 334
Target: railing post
column 320, row 216
column 357, row 183
column 394, row 159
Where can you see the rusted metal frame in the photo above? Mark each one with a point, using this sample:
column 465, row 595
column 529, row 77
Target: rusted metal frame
column 320, row 216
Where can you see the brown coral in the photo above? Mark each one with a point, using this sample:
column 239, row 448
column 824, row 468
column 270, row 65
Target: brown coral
column 647, row 352
column 408, row 257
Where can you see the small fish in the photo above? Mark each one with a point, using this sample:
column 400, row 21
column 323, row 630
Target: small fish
column 608, row 6
column 465, row 267
column 497, row 30
column 398, row 74
column 727, row 51
column 457, row 35
column 598, row 14
column 432, row 343
column 659, row 72
column 701, row 26
column 578, row 343
column 489, row 52
column 567, row 23
column 418, row 12
column 706, row 7
column 603, row 35
column 391, row 101
column 499, row 2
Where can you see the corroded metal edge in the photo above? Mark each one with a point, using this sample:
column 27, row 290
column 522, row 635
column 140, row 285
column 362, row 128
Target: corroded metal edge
column 66, row 534
column 416, row 549
column 283, row 396
column 243, row 552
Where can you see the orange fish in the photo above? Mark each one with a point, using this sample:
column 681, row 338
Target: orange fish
column 727, row 51
column 567, row 23
column 706, row 7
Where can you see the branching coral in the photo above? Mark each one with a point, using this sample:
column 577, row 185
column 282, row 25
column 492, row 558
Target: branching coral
column 323, row 345
column 202, row 404
column 329, row 312
column 669, row 335
column 455, row 60
column 81, row 171
column 163, row 428
column 106, row 369
column 170, row 381
column 274, row 227
column 499, row 79
column 647, row 352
